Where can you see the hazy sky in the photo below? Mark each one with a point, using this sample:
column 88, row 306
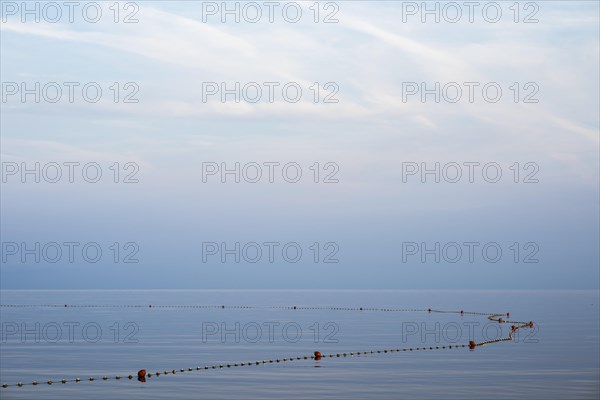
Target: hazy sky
column 370, row 210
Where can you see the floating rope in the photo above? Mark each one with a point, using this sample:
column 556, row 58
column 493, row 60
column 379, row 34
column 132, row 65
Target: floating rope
column 222, row 306
column 141, row 375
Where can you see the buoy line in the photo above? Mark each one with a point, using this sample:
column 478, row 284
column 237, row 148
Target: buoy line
column 142, row 374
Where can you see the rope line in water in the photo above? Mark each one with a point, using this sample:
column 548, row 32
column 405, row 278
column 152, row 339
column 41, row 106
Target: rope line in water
column 222, row 306
column 141, row 375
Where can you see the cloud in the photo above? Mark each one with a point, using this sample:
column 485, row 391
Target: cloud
column 367, row 53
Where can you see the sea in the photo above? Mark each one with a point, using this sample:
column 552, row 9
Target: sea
column 109, row 333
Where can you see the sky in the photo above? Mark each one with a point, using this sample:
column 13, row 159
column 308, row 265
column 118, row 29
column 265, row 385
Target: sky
column 162, row 178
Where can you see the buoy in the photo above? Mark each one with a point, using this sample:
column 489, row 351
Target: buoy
column 142, row 375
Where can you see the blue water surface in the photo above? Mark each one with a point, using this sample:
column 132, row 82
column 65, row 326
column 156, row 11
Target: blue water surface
column 558, row 359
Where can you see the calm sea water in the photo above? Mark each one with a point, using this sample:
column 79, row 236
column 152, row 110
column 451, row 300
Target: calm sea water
column 559, row 359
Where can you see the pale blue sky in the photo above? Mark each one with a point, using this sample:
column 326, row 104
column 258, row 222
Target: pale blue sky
column 170, row 52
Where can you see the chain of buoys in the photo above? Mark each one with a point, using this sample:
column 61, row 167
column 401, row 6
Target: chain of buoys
column 142, row 374
column 222, row 306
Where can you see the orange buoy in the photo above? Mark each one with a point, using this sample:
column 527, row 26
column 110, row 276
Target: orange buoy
column 500, row 320
column 471, row 344
column 317, row 355
column 531, row 324
column 513, row 328
column 142, row 373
